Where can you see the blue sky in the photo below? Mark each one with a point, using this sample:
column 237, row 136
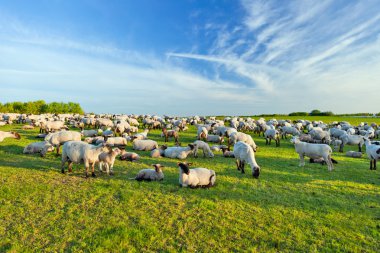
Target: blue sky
column 193, row 57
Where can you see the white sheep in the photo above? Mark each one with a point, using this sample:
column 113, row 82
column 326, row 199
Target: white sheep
column 227, row 153
column 202, row 133
column 158, row 152
column 155, row 174
column 116, row 141
column 239, row 136
column 4, row 135
column 348, row 139
column 141, row 136
column 144, row 145
column 217, row 148
column 270, row 134
column 204, row 147
column 336, row 144
column 289, row 130
column 197, row 177
column 89, row 133
column 245, row 154
column 314, row 151
column 215, row 138
column 58, row 138
column 107, row 159
column 373, row 153
column 179, row 152
column 354, row 154
column 129, row 156
column 81, row 152
column 37, row 147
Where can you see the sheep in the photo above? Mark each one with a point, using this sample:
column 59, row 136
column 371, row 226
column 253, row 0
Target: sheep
column 318, row 134
column 336, row 144
column 373, row 153
column 93, row 140
column 377, row 134
column 81, row 152
column 217, row 148
column 129, row 156
column 227, row 153
column 50, row 126
column 107, row 159
column 215, row 138
column 289, row 130
column 202, row 133
column 37, row 147
column 155, row 174
column 272, row 134
column 116, row 141
column 306, row 138
column 89, row 133
column 4, row 135
column 204, row 147
column 158, row 152
column 244, row 153
column 238, row 136
column 314, row 151
column 59, row 138
column 170, row 133
column 197, row 177
column 351, row 140
column 354, row 154
column 179, row 152
column 27, row 127
column 142, row 136
column 144, row 145
column 321, row 161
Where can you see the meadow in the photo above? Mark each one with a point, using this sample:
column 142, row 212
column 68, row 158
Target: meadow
column 288, row 209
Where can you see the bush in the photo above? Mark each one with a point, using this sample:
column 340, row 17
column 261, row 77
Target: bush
column 40, row 106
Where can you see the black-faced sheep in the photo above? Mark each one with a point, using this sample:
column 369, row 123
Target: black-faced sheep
column 197, row 177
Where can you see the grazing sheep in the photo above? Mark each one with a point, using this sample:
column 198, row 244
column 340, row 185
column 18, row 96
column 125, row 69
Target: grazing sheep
column 81, row 152
column 314, row 151
column 245, row 154
column 204, row 147
column 4, row 135
column 227, row 153
column 59, row 138
column 289, row 130
column 351, row 140
column 129, row 156
column 272, row 134
column 37, row 147
column 197, row 177
column 354, row 154
column 158, row 152
column 238, row 136
column 179, row 152
column 155, row 174
column 170, row 133
column 373, row 153
column 144, row 145
column 107, row 159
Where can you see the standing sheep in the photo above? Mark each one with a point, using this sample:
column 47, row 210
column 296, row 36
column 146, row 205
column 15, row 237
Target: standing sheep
column 107, row 159
column 204, row 147
column 245, row 154
column 59, row 138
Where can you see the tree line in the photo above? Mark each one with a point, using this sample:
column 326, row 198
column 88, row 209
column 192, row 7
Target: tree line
column 40, row 106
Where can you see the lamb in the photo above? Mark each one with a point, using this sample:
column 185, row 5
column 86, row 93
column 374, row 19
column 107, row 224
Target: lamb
column 215, row 138
column 373, row 153
column 244, row 153
column 142, row 136
column 204, row 147
column 158, row 152
column 354, row 154
column 170, row 133
column 144, row 145
column 27, row 127
column 197, row 177
column 238, row 136
column 129, row 156
column 227, row 153
column 81, row 152
column 4, row 135
column 351, row 140
column 107, row 159
column 202, row 133
column 155, row 174
column 272, row 134
column 37, row 147
column 59, row 138
column 179, row 152
column 314, row 151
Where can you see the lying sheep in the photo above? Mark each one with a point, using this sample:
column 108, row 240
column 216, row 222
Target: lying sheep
column 141, row 136
column 129, row 156
column 116, row 141
column 37, row 147
column 215, row 138
column 59, row 138
column 144, row 145
column 4, row 135
column 89, row 133
column 322, row 161
column 179, row 152
column 197, row 177
column 245, row 154
column 155, row 174
column 217, row 148
column 94, row 140
column 314, row 151
column 107, row 159
column 204, row 147
column 227, row 153
column 27, row 127
column 354, row 154
column 81, row 152
column 158, row 152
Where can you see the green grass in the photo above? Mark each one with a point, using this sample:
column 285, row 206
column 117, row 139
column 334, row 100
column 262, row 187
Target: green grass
column 288, row 209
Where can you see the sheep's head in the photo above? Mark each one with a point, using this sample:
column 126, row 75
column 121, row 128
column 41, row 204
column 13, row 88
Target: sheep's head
column 192, row 146
column 256, row 172
column 16, row 135
column 158, row 167
column 184, row 166
column 163, row 147
column 295, row 140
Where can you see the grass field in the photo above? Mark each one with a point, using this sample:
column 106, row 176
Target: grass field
column 288, row 209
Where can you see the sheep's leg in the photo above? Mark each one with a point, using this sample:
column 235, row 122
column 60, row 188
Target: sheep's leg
column 374, row 164
column 266, row 141
column 341, row 148
column 111, row 169
column 242, row 164
column 277, row 142
column 302, row 161
column 237, row 164
column 70, row 166
column 93, row 170
column 64, row 159
column 58, row 149
column 360, row 147
column 329, row 163
column 270, row 141
column 370, row 164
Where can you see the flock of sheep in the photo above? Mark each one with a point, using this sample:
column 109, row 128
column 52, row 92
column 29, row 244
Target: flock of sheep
column 107, row 136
